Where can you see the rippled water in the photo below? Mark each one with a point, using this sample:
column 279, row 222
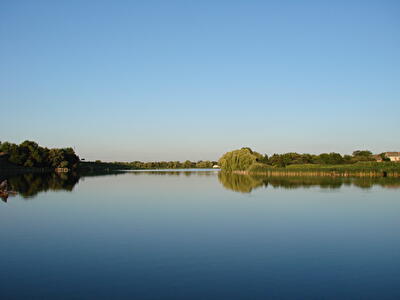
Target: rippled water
column 199, row 235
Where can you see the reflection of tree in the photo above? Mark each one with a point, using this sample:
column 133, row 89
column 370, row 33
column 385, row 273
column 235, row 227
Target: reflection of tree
column 246, row 183
column 240, row 183
column 29, row 185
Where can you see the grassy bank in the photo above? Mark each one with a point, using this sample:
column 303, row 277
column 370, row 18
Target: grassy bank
column 361, row 169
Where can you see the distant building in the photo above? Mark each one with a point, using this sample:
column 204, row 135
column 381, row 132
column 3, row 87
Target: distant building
column 216, row 167
column 378, row 157
column 393, row 156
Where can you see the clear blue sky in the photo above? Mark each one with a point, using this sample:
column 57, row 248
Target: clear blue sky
column 176, row 80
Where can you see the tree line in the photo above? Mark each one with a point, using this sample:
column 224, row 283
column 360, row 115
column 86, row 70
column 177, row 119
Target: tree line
column 139, row 165
column 30, row 154
column 243, row 158
column 333, row 158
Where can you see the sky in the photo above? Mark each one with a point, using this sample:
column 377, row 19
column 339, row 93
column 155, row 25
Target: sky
column 177, row 80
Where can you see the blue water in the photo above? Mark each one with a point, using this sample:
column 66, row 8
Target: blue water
column 184, row 235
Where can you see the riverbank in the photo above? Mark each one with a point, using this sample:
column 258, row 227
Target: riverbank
column 136, row 166
column 9, row 169
column 362, row 169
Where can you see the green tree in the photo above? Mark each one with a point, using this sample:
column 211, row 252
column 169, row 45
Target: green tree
column 362, row 155
column 239, row 159
column 330, row 158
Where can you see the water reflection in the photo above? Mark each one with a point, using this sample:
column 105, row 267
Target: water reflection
column 179, row 172
column 29, row 185
column 246, row 183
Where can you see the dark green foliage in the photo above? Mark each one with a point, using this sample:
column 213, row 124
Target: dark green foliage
column 264, row 159
column 283, row 160
column 293, row 158
column 362, row 155
column 330, row 159
column 244, row 158
column 139, row 165
column 384, row 157
column 347, row 159
column 30, row 154
column 171, row 165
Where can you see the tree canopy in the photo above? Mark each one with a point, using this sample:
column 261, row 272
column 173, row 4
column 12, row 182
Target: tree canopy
column 243, row 158
column 30, row 154
column 239, row 159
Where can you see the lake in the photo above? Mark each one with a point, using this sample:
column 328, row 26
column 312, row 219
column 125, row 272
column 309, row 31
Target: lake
column 199, row 235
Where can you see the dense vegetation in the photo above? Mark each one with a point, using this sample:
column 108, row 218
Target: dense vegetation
column 29, row 154
column 359, row 161
column 357, row 169
column 206, row 164
column 139, row 165
column 239, row 159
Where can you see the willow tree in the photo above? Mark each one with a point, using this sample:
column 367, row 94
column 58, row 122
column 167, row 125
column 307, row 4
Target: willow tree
column 239, row 159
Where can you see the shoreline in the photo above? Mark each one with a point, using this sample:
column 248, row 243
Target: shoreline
column 20, row 171
column 291, row 173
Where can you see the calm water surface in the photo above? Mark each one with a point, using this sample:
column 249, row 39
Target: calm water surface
column 199, row 235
